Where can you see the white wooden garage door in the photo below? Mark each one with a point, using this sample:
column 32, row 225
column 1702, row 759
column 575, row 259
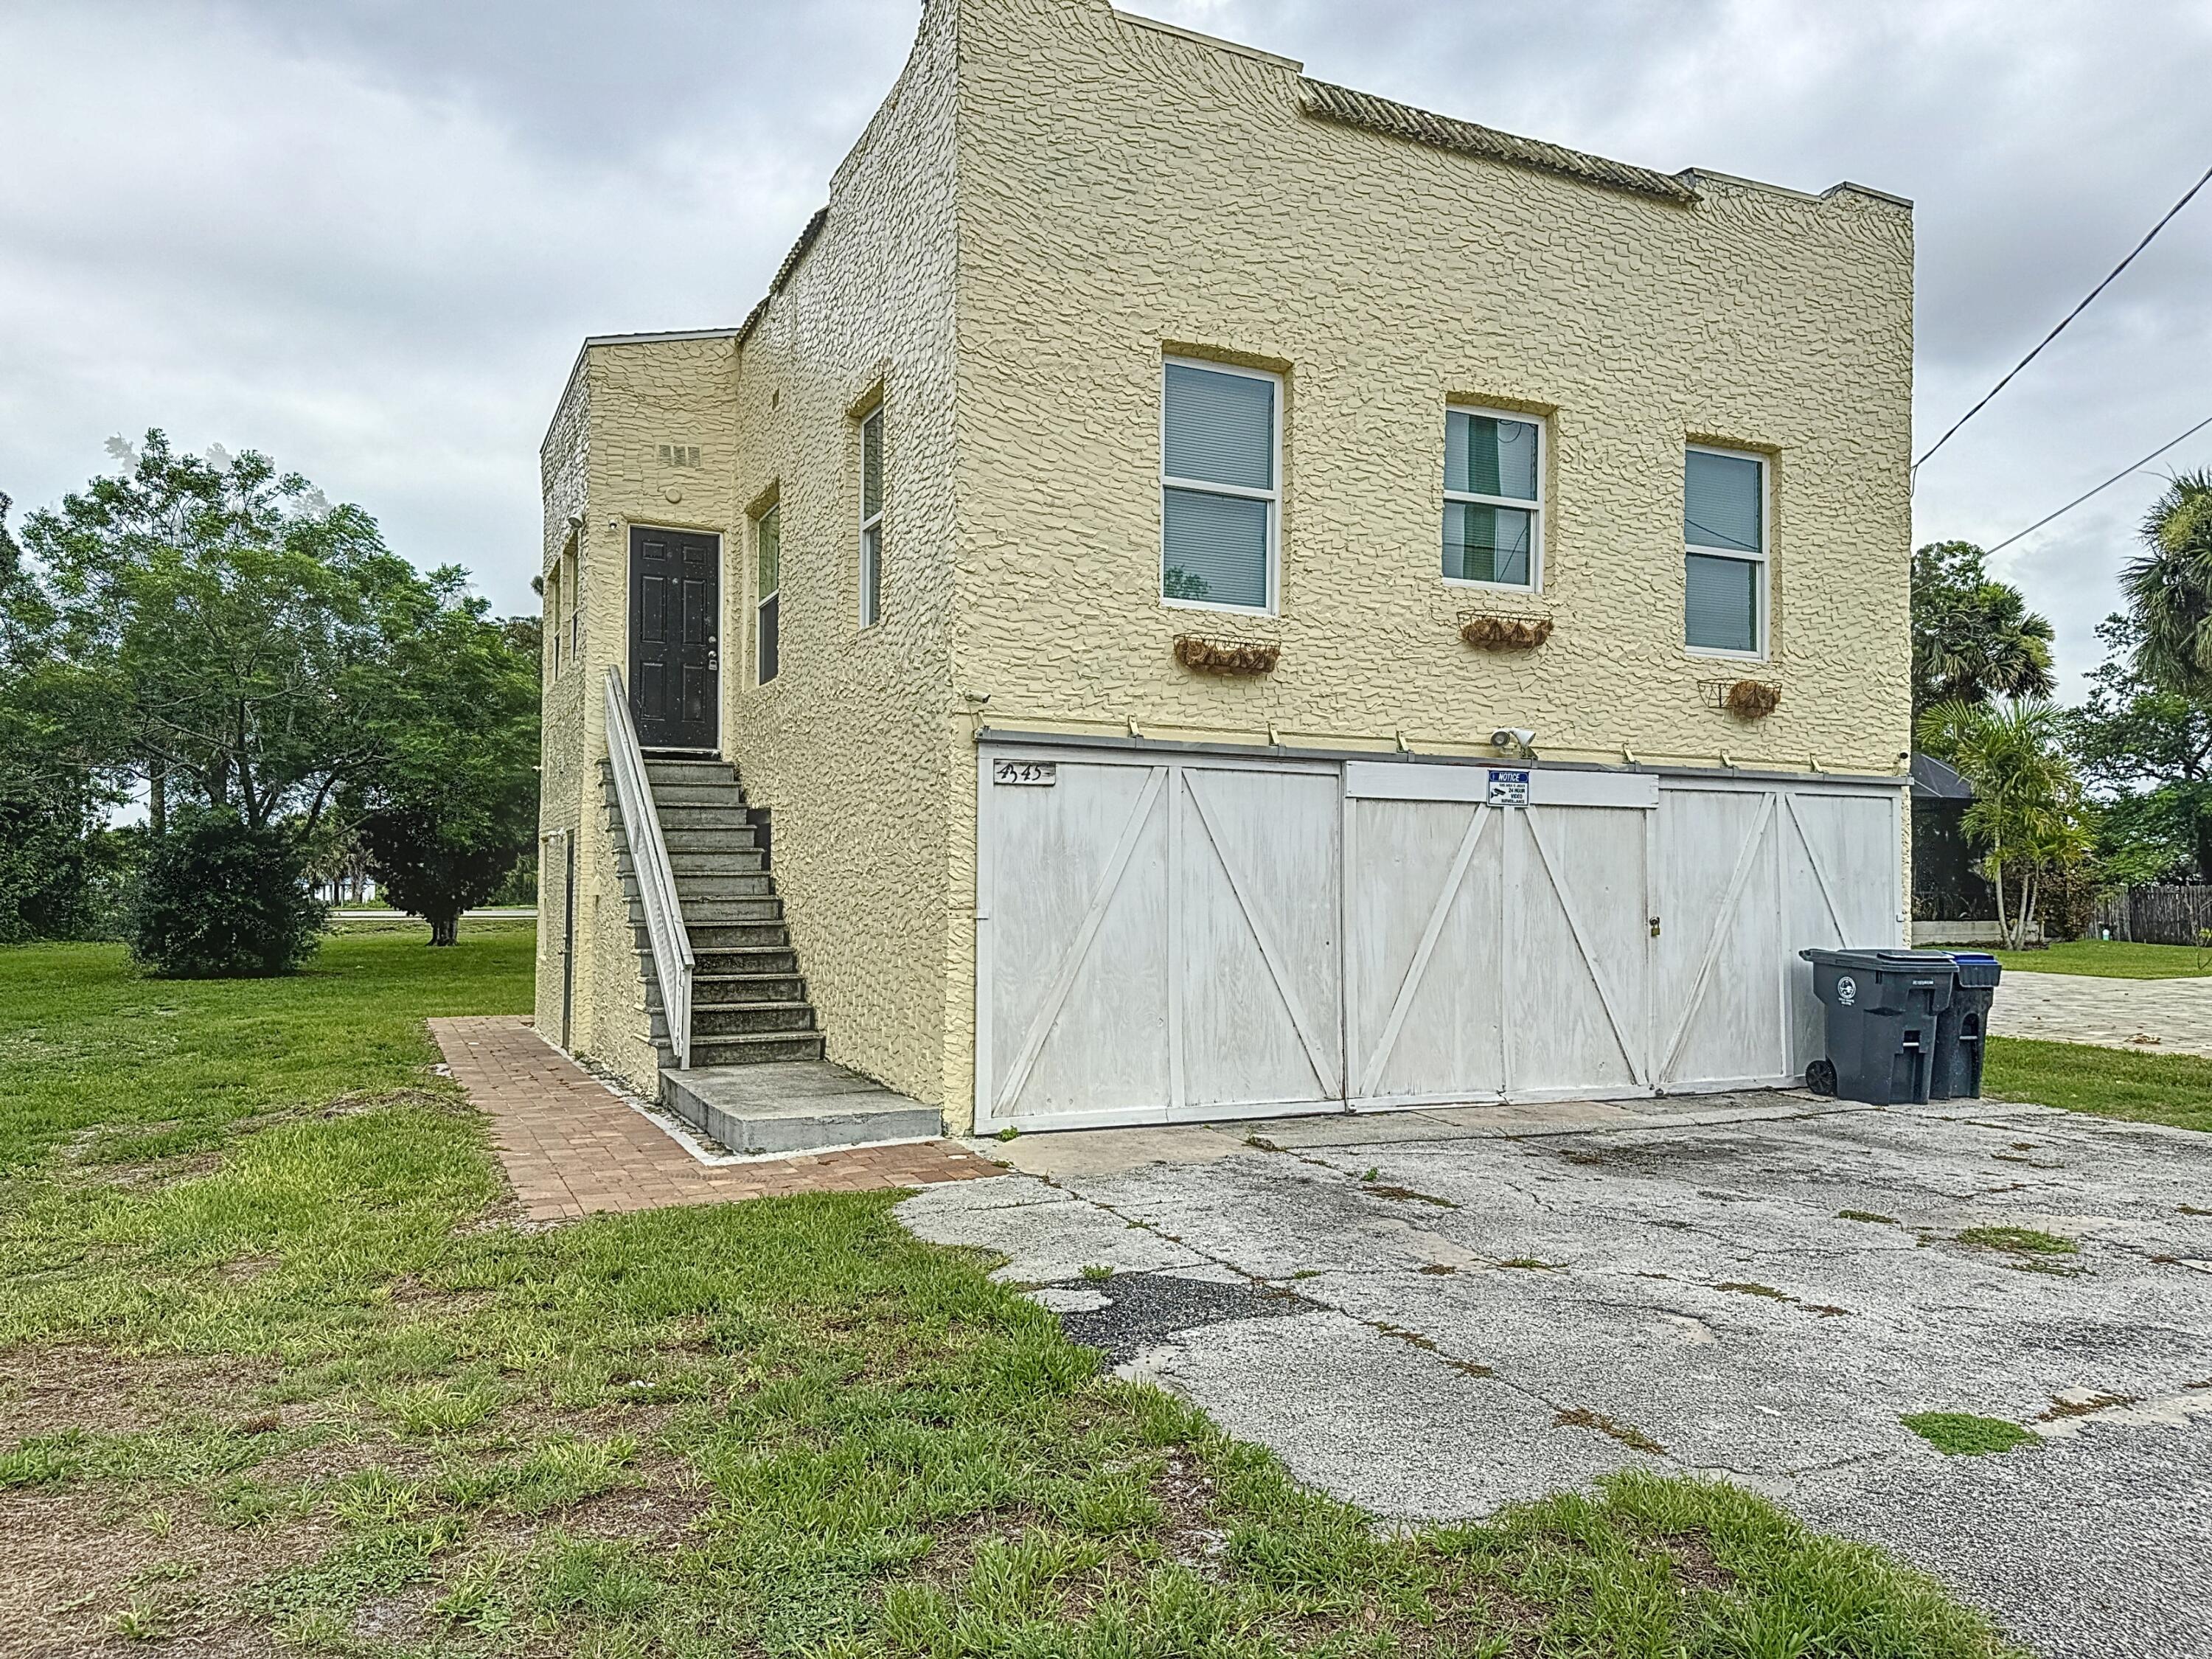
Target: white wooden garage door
column 1162, row 939
column 1158, row 941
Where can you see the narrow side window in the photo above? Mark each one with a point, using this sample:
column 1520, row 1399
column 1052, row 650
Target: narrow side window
column 768, row 551
column 552, row 633
column 871, row 517
column 575, row 589
column 1724, row 535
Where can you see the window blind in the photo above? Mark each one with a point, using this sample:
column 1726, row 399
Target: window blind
column 1220, row 429
column 1721, row 504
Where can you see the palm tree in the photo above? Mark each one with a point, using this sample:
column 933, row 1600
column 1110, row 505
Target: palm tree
column 2169, row 589
column 2027, row 812
column 1973, row 638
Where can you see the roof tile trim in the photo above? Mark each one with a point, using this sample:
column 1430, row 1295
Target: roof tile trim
column 1360, row 109
column 813, row 228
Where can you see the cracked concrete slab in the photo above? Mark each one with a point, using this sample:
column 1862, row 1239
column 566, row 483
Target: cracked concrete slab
column 1758, row 1286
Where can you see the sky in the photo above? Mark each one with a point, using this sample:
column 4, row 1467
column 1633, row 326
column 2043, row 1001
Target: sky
column 366, row 236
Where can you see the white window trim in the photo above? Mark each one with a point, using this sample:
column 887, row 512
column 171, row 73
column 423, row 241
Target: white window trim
column 871, row 561
column 1535, row 582
column 761, row 599
column 1763, row 558
column 574, row 588
column 1199, row 486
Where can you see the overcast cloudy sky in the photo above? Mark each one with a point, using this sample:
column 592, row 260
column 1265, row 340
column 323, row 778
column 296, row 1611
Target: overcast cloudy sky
column 366, row 236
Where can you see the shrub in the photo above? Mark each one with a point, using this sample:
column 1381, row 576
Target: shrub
column 217, row 900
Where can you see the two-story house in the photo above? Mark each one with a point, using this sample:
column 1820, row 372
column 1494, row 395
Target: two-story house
column 1225, row 595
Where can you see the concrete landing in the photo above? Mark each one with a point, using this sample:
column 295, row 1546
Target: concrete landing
column 794, row 1106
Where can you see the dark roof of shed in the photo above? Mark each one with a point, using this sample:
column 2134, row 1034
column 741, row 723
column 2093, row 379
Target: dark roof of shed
column 1935, row 780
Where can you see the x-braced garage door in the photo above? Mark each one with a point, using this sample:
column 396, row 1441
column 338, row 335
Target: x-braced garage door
column 1165, row 938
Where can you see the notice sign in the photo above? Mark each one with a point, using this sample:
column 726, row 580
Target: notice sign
column 1508, row 788
column 1034, row 773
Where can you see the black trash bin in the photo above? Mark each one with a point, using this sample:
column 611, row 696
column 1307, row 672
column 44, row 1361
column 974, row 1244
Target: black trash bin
column 1882, row 1009
column 1959, row 1029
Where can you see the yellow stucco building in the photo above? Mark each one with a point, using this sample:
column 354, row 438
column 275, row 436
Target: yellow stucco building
column 1226, row 595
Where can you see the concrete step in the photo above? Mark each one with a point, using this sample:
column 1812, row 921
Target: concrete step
column 742, row 1020
column 692, row 890
column 793, row 1107
column 660, row 768
column 687, row 817
column 713, row 960
column 727, row 796
column 717, row 937
column 722, row 838
column 712, row 913
column 714, row 990
column 760, row 1049
column 749, row 1018
column 700, row 861
column 738, row 884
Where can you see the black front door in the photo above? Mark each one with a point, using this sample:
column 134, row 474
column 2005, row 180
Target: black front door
column 675, row 603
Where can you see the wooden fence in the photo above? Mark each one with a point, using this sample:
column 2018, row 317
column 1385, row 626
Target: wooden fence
column 2159, row 916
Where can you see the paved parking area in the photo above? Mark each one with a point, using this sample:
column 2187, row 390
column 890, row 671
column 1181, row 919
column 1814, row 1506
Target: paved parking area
column 2150, row 1016
column 1435, row 1313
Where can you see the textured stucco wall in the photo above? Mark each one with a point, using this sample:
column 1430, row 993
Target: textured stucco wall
column 563, row 463
column 1125, row 189
column 854, row 745
column 1051, row 196
column 603, row 461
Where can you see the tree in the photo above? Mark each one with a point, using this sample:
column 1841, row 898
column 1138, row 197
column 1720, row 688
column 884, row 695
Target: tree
column 454, row 804
column 1973, row 638
column 2169, row 589
column 226, row 631
column 54, row 856
column 2148, row 746
column 219, row 898
column 2028, row 813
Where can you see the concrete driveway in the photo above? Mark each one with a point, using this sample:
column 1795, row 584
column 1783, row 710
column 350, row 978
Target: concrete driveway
column 2150, row 1016
column 1435, row 1313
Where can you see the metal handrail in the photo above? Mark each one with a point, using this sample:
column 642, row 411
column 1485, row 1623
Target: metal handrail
column 672, row 960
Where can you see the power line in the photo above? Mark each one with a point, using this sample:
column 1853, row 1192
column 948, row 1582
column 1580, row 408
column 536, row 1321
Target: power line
column 2146, row 241
column 2101, row 487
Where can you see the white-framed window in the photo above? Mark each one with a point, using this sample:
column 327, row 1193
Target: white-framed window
column 768, row 605
column 1221, row 464
column 1493, row 498
column 1724, row 536
column 553, row 621
column 575, row 588
column 872, row 517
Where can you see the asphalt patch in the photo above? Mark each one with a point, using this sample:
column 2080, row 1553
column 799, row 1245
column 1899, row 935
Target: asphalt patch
column 1144, row 1309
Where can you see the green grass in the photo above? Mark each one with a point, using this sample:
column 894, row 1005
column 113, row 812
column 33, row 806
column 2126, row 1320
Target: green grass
column 2111, row 959
column 341, row 1402
column 152, row 1067
column 1961, row 1434
column 2175, row 1090
column 2020, row 1241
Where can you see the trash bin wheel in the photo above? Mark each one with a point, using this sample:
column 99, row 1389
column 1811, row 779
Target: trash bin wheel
column 1820, row 1076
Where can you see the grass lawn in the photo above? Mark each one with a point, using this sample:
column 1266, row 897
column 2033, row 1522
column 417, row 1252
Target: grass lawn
column 277, row 1361
column 2170, row 1089
column 2111, row 959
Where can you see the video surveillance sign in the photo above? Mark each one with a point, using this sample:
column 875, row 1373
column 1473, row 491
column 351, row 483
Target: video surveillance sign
column 1508, row 788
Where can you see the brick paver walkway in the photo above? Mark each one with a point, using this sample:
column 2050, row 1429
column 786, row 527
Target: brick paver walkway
column 572, row 1147
column 2149, row 1016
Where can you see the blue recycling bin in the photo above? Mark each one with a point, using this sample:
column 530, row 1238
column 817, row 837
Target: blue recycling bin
column 1961, row 1027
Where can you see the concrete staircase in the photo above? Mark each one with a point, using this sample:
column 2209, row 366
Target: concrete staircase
column 757, row 1081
